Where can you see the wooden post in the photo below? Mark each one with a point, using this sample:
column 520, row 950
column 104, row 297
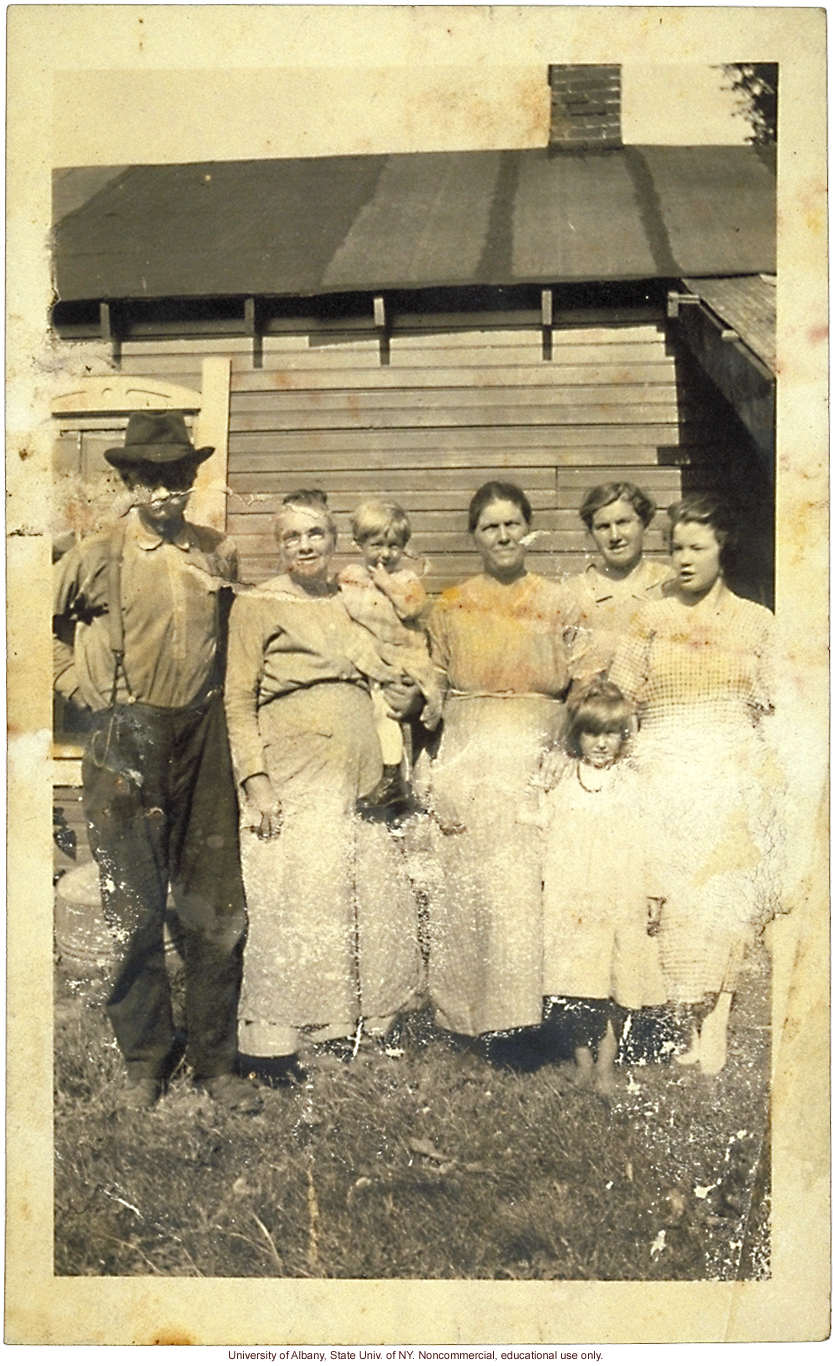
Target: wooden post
column 546, row 324
column 675, row 298
column 107, row 325
column 381, row 322
column 208, row 501
column 252, row 325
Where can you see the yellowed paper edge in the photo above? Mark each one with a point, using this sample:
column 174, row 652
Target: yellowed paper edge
column 793, row 1305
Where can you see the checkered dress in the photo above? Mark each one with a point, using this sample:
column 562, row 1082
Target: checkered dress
column 700, row 678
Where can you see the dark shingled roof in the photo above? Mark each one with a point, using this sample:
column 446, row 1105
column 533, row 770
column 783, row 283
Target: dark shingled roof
column 330, row 224
column 748, row 306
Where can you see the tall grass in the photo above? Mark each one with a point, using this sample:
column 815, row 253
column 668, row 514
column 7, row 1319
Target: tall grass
column 431, row 1163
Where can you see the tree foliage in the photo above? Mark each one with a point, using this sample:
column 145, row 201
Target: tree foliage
column 756, row 84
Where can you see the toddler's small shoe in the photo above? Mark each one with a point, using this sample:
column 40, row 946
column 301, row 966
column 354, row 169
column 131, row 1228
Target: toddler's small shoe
column 391, row 790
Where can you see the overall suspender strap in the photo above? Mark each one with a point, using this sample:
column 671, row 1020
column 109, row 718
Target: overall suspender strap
column 116, row 629
column 114, row 609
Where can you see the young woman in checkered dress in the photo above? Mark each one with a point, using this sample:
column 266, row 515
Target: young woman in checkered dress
column 697, row 666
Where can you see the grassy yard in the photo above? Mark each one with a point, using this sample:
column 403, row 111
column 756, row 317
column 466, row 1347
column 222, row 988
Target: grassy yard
column 427, row 1162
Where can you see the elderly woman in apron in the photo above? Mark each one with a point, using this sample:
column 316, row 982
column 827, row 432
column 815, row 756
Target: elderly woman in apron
column 332, row 944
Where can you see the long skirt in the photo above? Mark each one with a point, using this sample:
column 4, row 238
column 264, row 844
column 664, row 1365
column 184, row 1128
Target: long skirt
column 332, row 916
column 716, row 845
column 485, row 952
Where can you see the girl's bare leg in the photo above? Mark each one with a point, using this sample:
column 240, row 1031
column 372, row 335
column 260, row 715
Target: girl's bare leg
column 688, row 1018
column 606, row 1055
column 713, row 1035
column 584, row 1065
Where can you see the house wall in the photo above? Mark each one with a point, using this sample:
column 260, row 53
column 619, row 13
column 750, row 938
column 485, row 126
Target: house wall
column 428, row 412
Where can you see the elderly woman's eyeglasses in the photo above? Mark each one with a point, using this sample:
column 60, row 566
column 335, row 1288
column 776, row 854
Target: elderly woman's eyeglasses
column 293, row 538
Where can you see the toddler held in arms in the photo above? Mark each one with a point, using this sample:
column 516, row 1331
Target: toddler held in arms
column 600, row 953
column 388, row 600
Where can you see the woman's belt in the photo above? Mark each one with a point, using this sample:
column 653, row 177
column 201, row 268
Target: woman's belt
column 263, row 700
column 508, row 696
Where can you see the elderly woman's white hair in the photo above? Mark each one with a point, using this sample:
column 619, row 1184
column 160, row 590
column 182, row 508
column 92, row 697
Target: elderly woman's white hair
column 306, row 500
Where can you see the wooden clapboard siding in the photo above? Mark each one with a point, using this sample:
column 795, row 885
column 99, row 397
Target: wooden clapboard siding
column 453, row 406
column 494, row 415
column 422, row 503
column 258, row 450
column 441, row 404
column 515, row 386
column 632, row 364
column 562, row 489
column 321, row 346
column 506, row 404
column 580, row 322
column 518, row 328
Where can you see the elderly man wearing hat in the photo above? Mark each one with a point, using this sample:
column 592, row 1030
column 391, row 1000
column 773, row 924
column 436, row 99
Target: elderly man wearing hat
column 147, row 603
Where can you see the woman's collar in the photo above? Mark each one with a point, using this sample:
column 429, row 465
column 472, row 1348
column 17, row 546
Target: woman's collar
column 326, row 589
column 603, row 583
column 715, row 600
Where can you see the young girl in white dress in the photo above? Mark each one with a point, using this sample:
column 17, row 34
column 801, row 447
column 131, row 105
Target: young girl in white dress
column 600, row 916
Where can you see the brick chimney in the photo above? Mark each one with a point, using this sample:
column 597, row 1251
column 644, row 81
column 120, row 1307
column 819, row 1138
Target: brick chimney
column 586, row 106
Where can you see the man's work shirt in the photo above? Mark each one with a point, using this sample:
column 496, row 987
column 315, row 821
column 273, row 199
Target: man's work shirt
column 169, row 608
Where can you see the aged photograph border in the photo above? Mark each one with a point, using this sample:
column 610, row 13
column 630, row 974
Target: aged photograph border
column 41, row 1308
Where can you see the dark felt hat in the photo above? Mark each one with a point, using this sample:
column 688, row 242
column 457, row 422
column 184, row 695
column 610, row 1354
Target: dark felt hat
column 156, row 438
